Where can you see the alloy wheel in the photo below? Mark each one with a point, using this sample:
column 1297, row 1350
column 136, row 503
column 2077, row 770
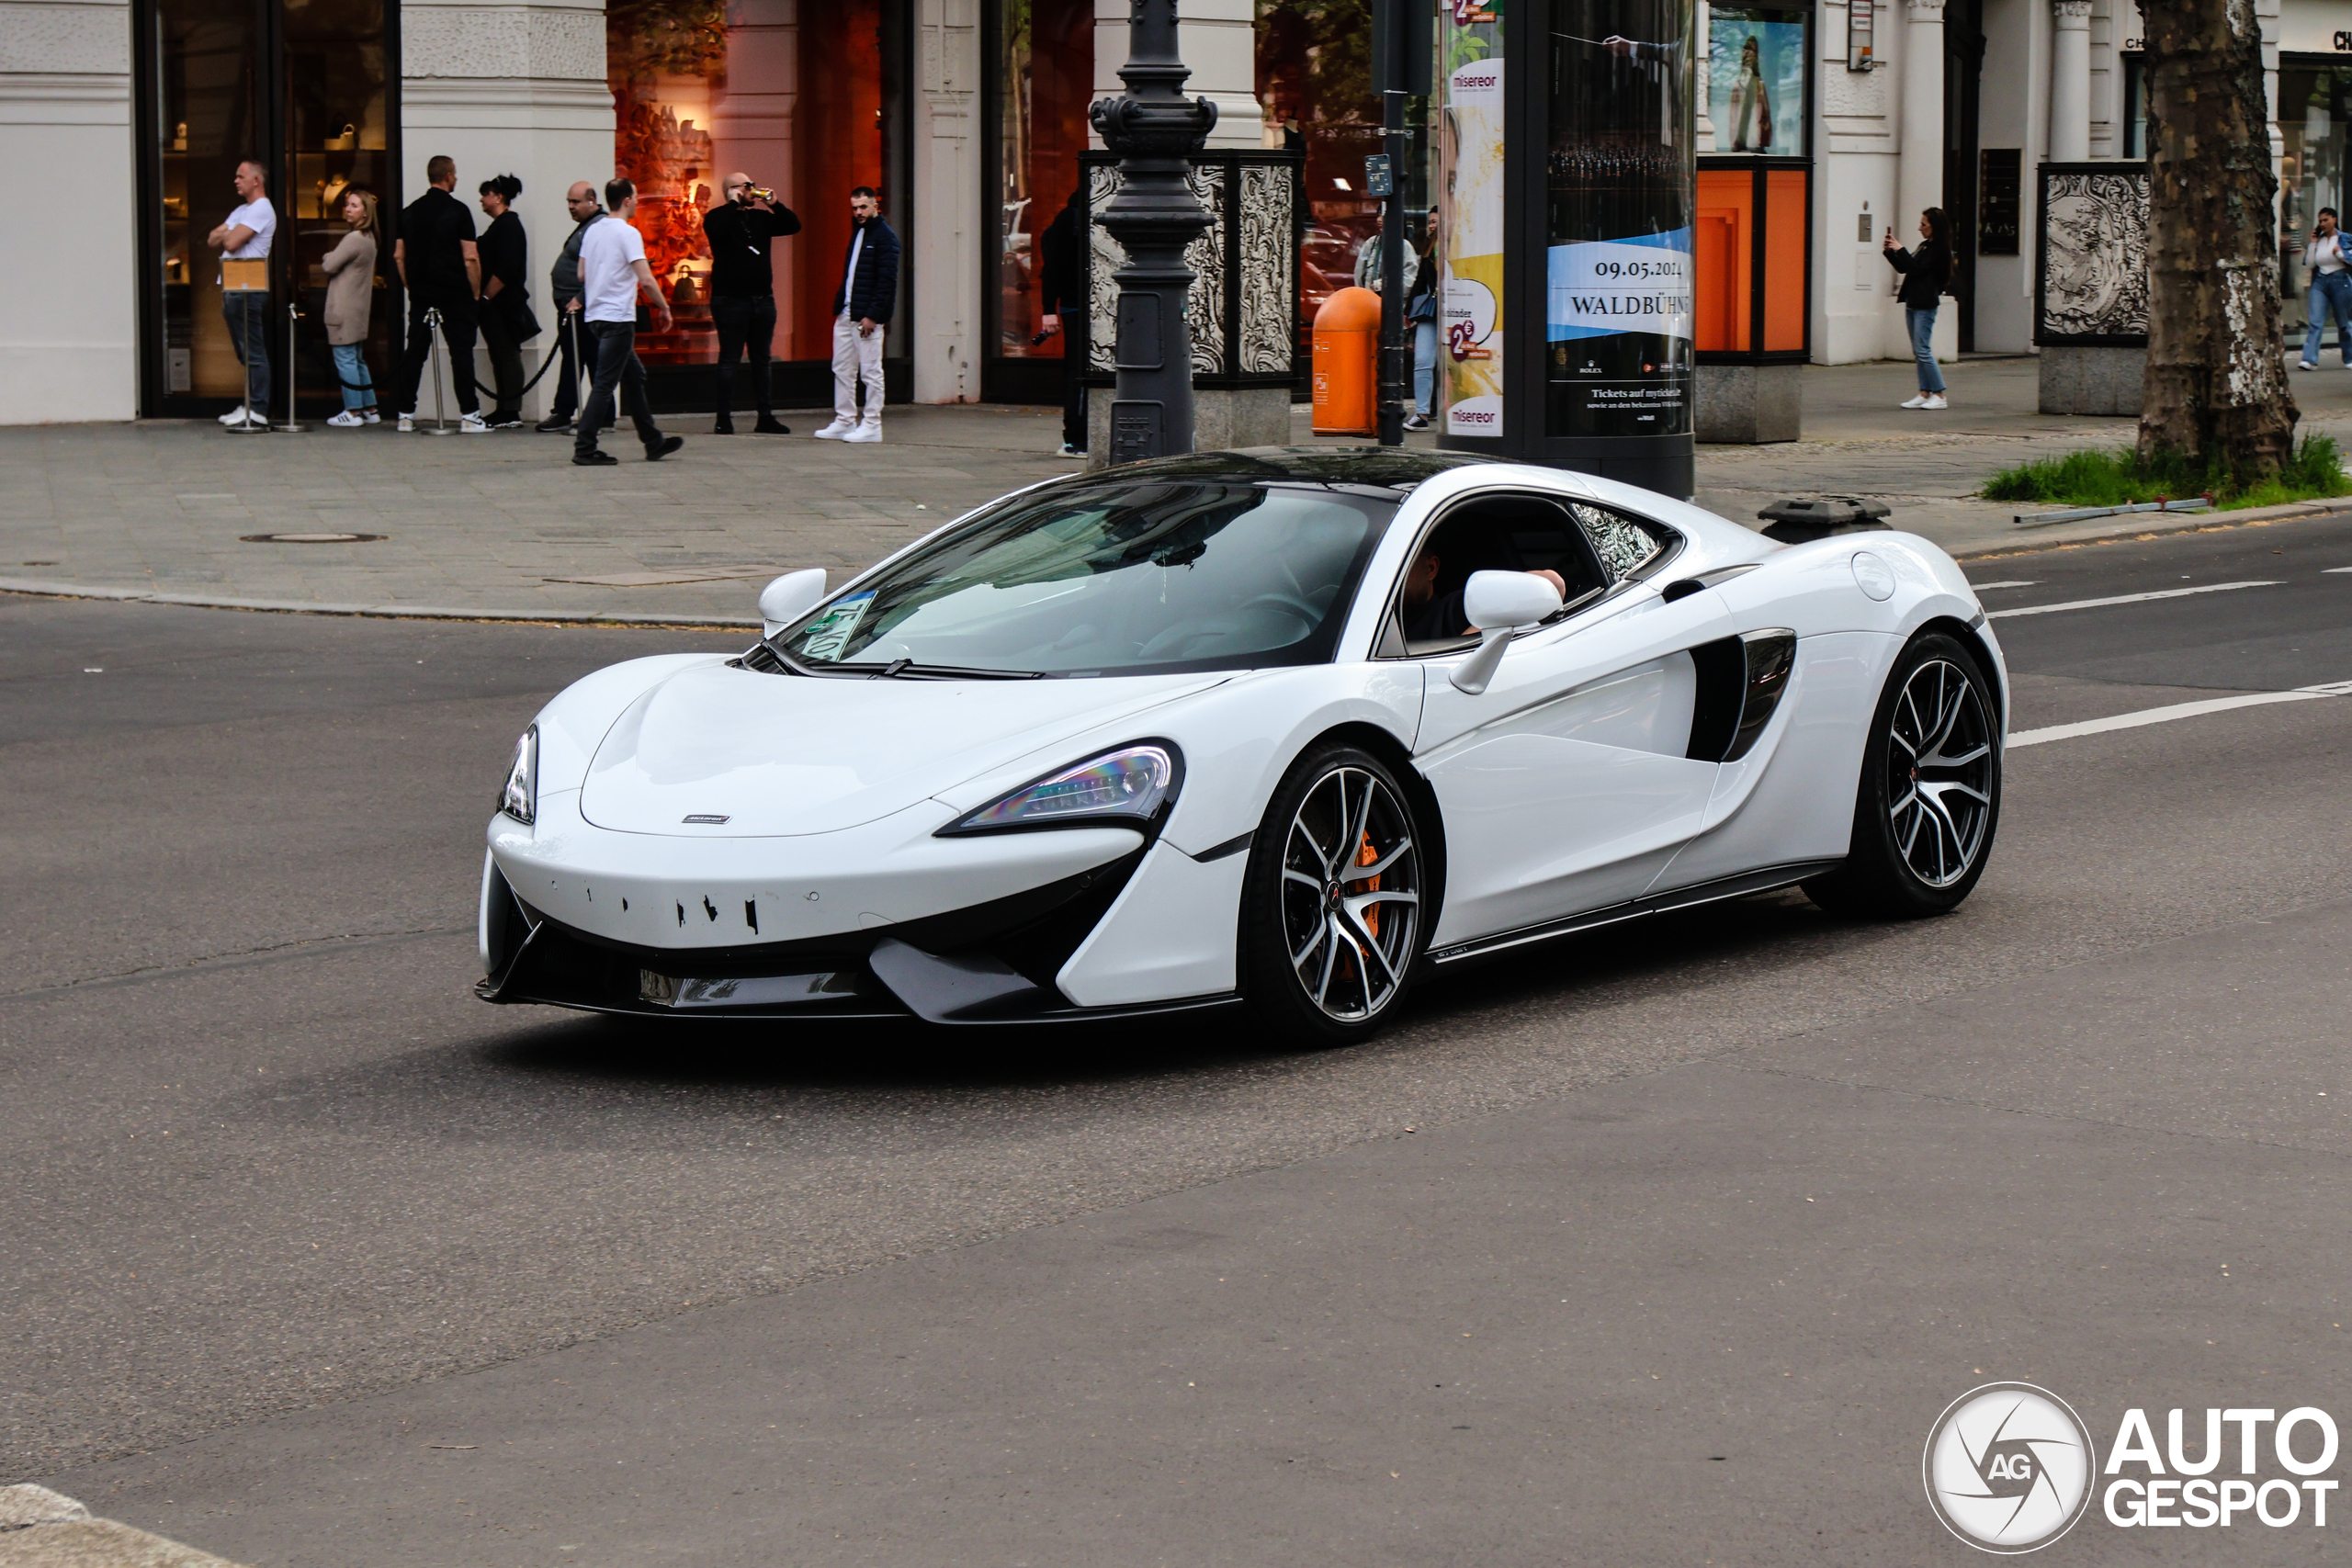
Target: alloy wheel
column 1939, row 772
column 1351, row 894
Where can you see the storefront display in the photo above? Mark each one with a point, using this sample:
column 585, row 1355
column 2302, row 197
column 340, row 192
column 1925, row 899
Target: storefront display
column 2314, row 117
column 1045, row 81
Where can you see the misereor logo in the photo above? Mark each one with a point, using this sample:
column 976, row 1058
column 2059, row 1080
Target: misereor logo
column 2008, row 1467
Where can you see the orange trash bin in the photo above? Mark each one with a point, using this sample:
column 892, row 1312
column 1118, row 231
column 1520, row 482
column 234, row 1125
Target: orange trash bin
column 1347, row 364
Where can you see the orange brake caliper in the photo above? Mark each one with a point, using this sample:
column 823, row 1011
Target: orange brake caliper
column 1366, row 856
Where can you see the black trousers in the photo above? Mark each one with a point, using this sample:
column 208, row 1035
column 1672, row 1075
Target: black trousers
column 746, row 325
column 1074, row 367
column 617, row 369
column 505, row 360
column 572, row 341
column 458, row 331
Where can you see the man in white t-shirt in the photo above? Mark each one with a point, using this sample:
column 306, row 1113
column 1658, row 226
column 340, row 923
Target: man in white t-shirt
column 244, row 236
column 613, row 274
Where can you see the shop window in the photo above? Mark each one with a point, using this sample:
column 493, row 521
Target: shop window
column 1314, row 82
column 1044, row 85
column 2314, row 115
column 799, row 97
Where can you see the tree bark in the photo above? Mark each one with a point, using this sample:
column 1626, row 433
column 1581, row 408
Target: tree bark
column 2217, row 378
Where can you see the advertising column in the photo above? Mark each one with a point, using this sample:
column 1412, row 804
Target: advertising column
column 1471, row 354
column 1618, row 321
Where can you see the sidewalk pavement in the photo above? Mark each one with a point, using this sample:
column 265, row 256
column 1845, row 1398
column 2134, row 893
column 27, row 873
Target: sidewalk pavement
column 502, row 525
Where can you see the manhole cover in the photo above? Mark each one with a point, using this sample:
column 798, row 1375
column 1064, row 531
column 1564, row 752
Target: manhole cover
column 309, row 538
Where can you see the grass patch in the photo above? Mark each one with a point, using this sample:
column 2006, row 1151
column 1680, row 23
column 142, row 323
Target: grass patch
column 2119, row 478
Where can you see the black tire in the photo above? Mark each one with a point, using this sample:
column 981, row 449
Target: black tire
column 1332, row 962
column 1920, row 852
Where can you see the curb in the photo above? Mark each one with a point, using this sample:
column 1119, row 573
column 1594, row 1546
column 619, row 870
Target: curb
column 2189, row 523
column 54, row 590
column 40, row 1529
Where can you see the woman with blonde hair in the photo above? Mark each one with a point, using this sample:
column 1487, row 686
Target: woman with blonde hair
column 351, row 299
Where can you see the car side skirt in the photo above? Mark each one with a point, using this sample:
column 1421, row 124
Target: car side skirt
column 1765, row 879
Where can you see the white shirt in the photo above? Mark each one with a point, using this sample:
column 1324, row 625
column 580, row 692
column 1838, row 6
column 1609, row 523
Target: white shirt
column 849, row 278
column 262, row 219
column 2327, row 254
column 608, row 254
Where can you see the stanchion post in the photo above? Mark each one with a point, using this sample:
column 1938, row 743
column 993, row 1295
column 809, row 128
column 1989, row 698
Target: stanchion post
column 292, row 426
column 433, row 356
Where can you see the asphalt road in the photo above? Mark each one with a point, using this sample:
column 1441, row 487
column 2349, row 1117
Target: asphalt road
column 1665, row 1246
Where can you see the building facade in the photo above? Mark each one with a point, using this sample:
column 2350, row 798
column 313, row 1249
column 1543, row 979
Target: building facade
column 969, row 116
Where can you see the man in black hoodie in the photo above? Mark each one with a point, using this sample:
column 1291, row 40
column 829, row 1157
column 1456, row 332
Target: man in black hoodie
column 861, row 307
column 1062, row 292
column 742, row 229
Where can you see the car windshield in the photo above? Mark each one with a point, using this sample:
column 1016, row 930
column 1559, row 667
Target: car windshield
column 1123, row 577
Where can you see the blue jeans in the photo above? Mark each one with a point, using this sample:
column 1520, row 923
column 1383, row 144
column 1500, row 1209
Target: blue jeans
column 1923, row 349
column 1424, row 364
column 248, row 319
column 2331, row 296
column 351, row 369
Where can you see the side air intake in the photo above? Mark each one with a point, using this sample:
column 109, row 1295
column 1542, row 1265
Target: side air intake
column 1741, row 680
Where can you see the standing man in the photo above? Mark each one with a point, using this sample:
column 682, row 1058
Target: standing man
column 861, row 309
column 441, row 270
column 613, row 274
column 563, row 284
column 1061, row 288
column 244, row 236
column 740, row 230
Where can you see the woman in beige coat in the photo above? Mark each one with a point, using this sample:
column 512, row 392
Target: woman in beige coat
column 351, row 295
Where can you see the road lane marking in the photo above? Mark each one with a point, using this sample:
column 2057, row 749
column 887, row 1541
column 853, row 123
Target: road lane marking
column 2177, row 710
column 2022, row 582
column 2126, row 599
column 2328, row 569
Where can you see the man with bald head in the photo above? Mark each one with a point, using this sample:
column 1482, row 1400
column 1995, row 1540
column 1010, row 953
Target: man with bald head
column 742, row 229
column 563, row 282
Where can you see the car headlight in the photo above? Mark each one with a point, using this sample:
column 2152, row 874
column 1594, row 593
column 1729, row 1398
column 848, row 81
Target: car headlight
column 1128, row 784
column 520, row 799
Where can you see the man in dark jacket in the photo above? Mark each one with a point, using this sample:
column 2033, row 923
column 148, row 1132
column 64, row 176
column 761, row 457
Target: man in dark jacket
column 742, row 230
column 441, row 269
column 1061, row 287
column 563, row 287
column 862, row 306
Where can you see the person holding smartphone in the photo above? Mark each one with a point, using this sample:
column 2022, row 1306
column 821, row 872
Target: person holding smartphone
column 1927, row 273
column 2331, row 292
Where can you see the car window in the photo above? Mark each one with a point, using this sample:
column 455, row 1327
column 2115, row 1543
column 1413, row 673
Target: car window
column 1591, row 548
column 1116, row 577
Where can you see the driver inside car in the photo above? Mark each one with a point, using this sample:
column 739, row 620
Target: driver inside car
column 1431, row 617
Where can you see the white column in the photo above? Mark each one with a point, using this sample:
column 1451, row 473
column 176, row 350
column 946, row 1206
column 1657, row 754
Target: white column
column 69, row 323
column 1218, row 39
column 1920, row 182
column 950, row 186
column 2070, row 82
column 508, row 88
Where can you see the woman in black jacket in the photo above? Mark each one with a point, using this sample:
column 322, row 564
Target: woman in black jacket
column 506, row 319
column 1926, row 275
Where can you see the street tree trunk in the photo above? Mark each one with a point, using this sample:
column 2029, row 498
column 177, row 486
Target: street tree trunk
column 2217, row 379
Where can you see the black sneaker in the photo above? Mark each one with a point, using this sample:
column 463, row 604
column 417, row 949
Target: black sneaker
column 594, row 460
column 550, row 426
column 506, row 422
column 771, row 425
column 722, row 425
column 663, row 447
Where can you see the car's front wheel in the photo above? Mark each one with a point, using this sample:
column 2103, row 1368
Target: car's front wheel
column 1331, row 919
column 1930, row 794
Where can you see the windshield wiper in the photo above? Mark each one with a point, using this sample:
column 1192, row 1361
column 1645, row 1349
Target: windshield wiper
column 898, row 668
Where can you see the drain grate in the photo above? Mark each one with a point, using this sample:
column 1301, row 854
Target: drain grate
column 308, row 538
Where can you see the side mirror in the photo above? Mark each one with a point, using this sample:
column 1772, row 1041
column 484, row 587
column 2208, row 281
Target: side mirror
column 789, row 597
column 1498, row 604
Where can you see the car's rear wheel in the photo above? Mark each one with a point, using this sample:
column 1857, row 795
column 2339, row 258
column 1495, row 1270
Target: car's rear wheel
column 1331, row 919
column 1930, row 793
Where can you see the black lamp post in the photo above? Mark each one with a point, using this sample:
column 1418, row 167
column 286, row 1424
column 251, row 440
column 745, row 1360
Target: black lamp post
column 1154, row 129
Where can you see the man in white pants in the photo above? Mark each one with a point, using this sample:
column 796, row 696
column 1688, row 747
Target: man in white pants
column 861, row 311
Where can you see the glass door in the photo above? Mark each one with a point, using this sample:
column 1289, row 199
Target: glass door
column 298, row 87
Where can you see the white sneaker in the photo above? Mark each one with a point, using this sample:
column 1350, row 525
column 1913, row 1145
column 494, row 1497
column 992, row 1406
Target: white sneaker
column 835, row 431
column 408, row 422
column 234, row 416
column 474, row 424
column 371, row 417
column 1935, row 402
column 865, row 432
column 347, row 420
column 1918, row 401
column 2299, row 365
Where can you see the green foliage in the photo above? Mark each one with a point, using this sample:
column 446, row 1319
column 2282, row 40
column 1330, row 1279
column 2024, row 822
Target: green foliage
column 2119, row 478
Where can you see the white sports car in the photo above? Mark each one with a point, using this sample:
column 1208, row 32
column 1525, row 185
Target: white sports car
column 1279, row 728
